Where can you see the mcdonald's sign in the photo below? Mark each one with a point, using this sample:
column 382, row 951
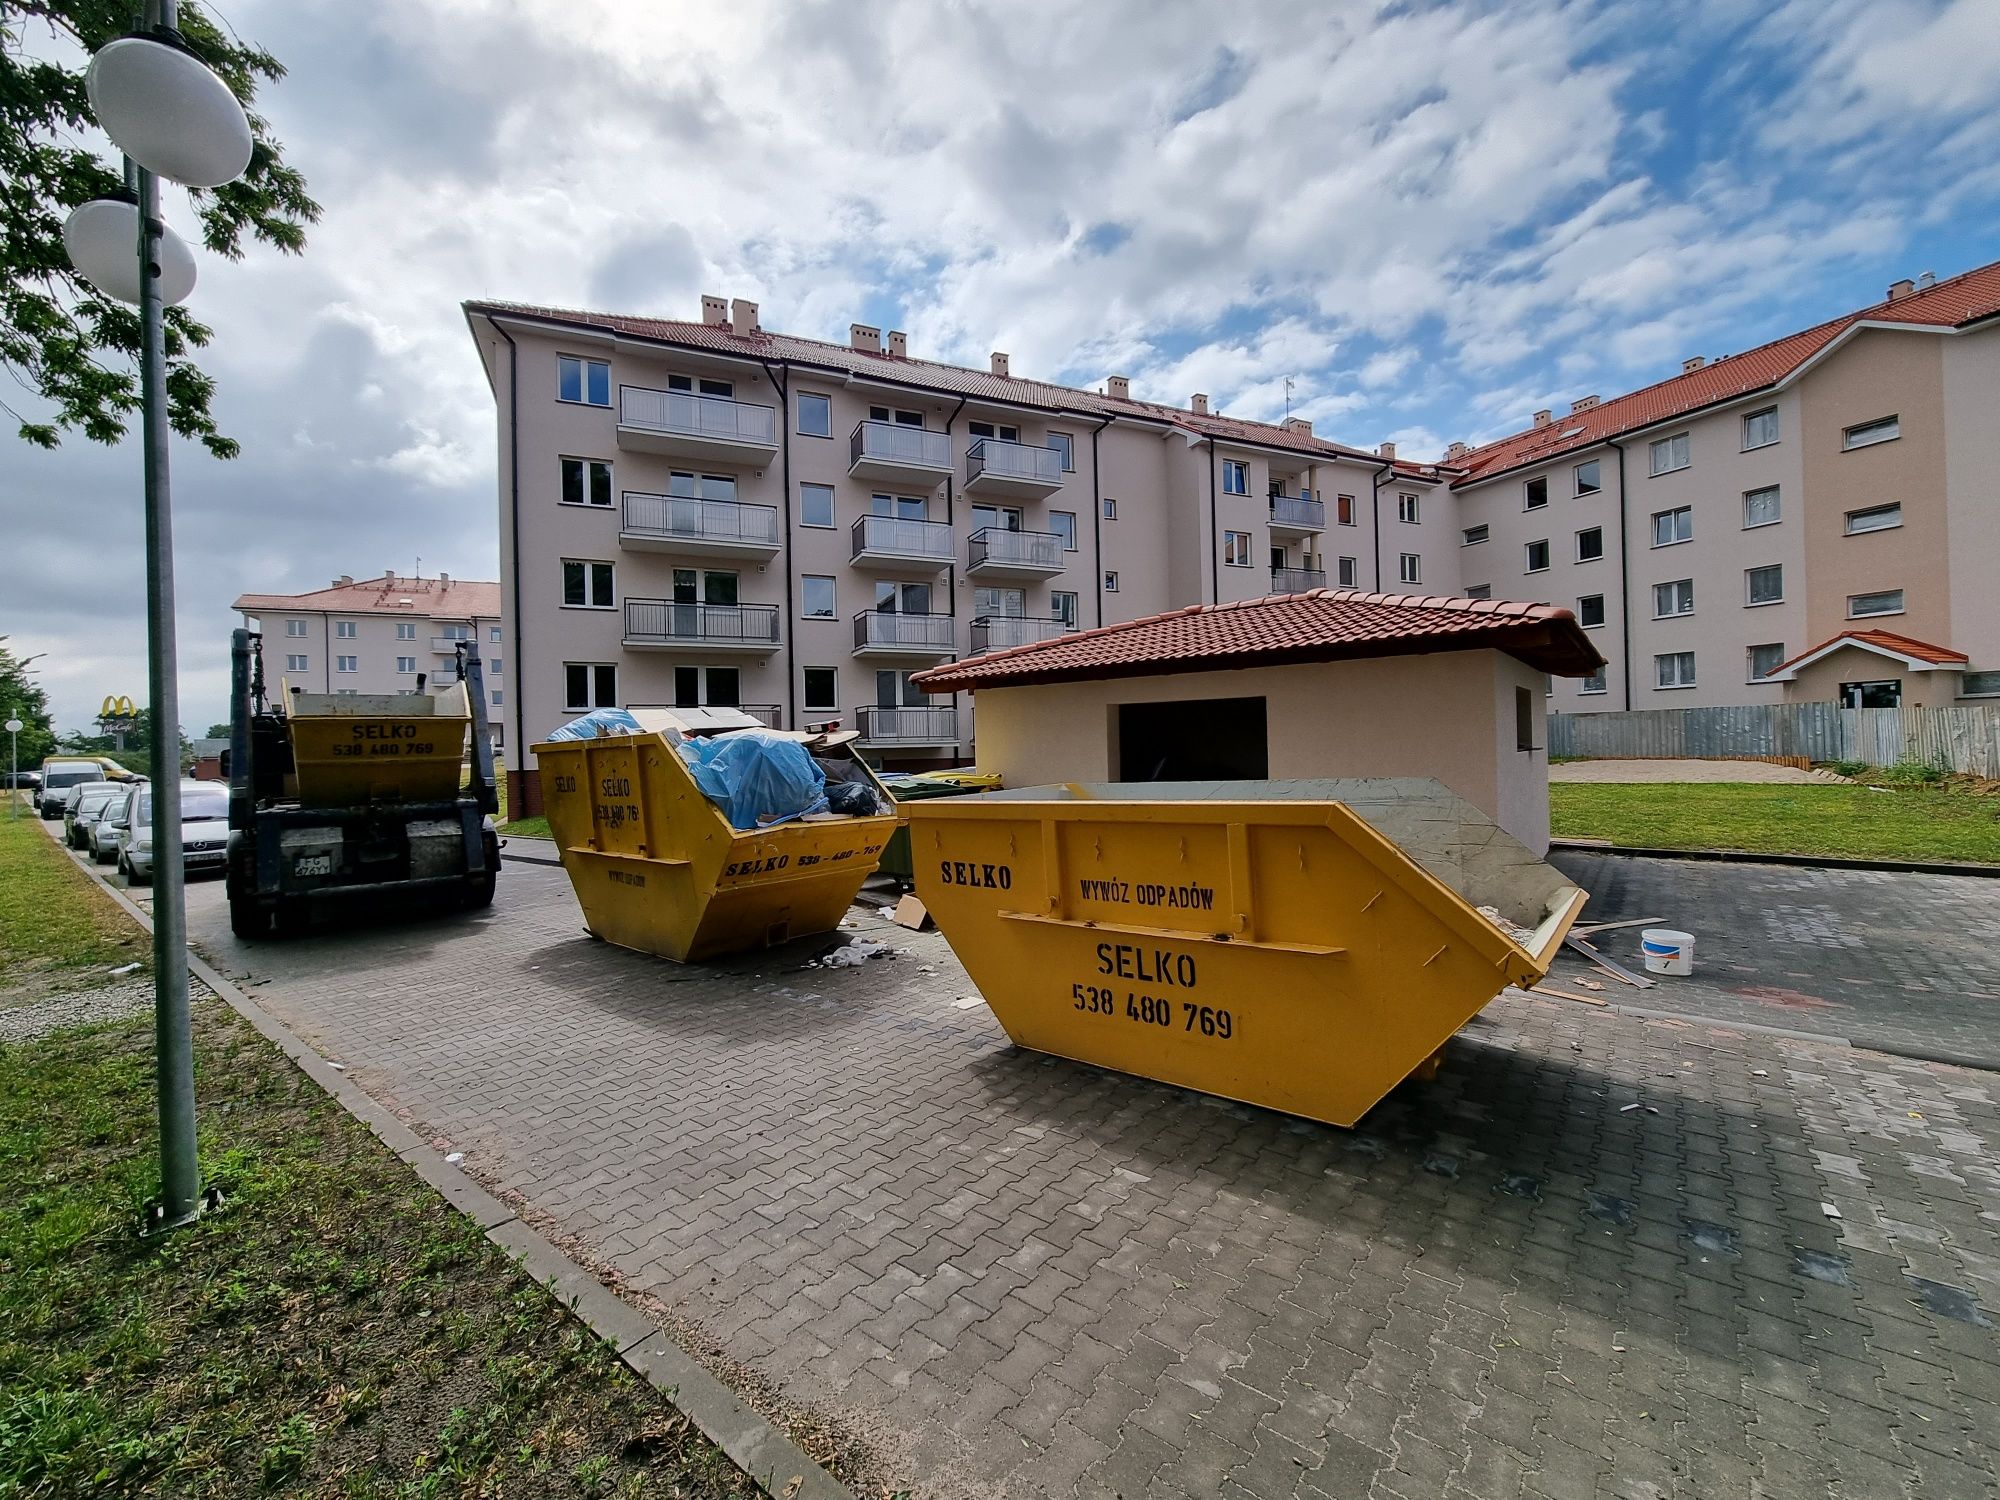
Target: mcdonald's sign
column 117, row 707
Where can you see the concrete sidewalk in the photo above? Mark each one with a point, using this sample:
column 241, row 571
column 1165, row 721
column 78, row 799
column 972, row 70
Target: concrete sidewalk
column 1691, row 770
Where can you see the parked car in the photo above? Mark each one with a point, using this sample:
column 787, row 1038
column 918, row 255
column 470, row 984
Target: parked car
column 87, row 802
column 26, row 781
column 204, row 830
column 61, row 772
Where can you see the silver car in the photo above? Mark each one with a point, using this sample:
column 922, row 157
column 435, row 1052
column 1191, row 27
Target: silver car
column 87, row 804
column 204, row 830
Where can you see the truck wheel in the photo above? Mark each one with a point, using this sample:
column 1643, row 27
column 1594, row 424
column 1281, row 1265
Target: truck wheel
column 479, row 889
column 247, row 919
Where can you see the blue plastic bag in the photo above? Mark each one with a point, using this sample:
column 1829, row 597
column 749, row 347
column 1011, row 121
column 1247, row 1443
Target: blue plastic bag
column 755, row 777
column 596, row 725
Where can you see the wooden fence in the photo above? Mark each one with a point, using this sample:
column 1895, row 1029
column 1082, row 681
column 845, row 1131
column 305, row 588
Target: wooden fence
column 1952, row 739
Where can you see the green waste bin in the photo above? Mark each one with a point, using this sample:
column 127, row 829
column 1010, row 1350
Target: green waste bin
column 905, row 786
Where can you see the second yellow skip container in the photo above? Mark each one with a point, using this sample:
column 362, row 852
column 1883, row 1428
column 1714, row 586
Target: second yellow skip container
column 1301, row 945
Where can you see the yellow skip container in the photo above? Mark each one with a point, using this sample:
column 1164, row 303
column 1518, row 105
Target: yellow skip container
column 349, row 750
column 658, row 868
column 1301, row 945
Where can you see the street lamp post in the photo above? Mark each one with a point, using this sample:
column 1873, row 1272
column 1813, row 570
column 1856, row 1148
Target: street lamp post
column 14, row 769
column 172, row 117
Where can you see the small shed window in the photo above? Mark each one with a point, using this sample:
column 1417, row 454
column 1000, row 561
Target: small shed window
column 1524, row 719
column 1205, row 739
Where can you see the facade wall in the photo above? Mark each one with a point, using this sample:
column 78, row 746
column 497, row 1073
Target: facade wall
column 377, row 650
column 1820, row 682
column 1972, row 494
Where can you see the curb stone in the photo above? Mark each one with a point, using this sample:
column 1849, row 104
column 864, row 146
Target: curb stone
column 774, row 1463
column 1805, row 861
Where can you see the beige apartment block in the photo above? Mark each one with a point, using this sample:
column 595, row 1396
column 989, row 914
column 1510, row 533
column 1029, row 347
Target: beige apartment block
column 1715, row 531
column 381, row 635
column 709, row 513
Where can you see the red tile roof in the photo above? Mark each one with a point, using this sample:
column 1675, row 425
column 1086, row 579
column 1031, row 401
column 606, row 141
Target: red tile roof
column 431, row 598
column 1323, row 625
column 1878, row 640
column 1964, row 299
column 951, row 379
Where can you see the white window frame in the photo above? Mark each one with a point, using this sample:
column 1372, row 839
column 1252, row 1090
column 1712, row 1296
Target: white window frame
column 1528, row 500
column 1408, row 508
column 1778, row 503
column 1528, row 556
column 1749, row 574
column 347, row 664
column 1871, row 614
column 584, row 364
column 343, row 630
column 832, row 521
column 1868, row 434
column 1110, row 508
column 1866, row 513
column 1236, row 549
column 1755, row 416
column 1479, row 591
column 1468, row 539
column 1065, row 444
column 825, row 405
column 1067, row 533
column 833, row 596
column 1751, row 674
column 1409, row 568
column 1584, row 532
column 590, row 565
column 1669, row 455
column 1659, row 664
column 1068, row 614
column 406, row 630
column 1344, row 511
column 295, row 630
column 1235, row 476
column 1675, row 511
column 406, row 665
column 704, row 385
column 1597, row 485
column 1599, row 677
column 1683, row 589
column 1347, row 572
column 806, row 705
column 591, row 683
column 298, row 662
column 1967, row 690
column 1602, row 614
column 1110, row 580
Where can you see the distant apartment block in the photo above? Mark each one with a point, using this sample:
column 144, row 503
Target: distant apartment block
column 710, row 513
column 381, row 635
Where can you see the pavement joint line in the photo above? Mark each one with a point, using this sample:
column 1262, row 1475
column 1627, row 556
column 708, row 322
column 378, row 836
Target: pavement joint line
column 1804, row 861
column 753, row 1442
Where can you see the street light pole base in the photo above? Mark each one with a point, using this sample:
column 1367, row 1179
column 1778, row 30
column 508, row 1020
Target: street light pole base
column 154, row 1221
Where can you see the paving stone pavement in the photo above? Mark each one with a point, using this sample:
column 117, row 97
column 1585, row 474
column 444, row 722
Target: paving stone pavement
column 1777, row 1275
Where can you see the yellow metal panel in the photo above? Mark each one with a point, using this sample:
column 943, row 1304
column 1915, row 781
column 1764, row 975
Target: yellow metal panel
column 390, row 748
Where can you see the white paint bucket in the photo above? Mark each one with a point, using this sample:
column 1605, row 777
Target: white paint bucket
column 1667, row 951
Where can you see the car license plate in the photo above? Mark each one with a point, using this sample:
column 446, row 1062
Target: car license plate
column 313, row 864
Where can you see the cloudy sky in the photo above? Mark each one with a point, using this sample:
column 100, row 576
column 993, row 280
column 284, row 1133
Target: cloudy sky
column 1432, row 218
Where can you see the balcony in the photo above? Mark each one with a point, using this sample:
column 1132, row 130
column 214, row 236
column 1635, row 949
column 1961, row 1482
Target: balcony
column 995, row 552
column 900, row 454
column 667, row 624
column 892, row 727
column 713, row 429
column 1012, row 471
column 1297, row 580
column 714, row 528
column 998, row 632
column 900, row 545
column 879, row 632
column 447, row 645
column 1300, row 515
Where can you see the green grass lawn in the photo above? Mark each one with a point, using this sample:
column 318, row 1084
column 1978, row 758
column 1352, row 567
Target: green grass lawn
column 1920, row 823
column 528, row 828
column 57, row 928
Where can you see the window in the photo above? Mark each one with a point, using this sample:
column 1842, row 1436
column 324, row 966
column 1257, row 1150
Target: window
column 707, row 387
column 344, row 629
column 406, row 664
column 1594, row 683
column 1674, row 670
column 1590, row 544
column 1765, row 585
column 996, row 517
column 1875, row 518
column 1760, row 428
column 816, row 505
column 1110, row 509
column 1235, row 477
column 496, row 697
column 1764, row 660
column 1005, row 432
column 586, row 585
column 903, row 418
column 1343, row 509
column 1524, row 719
column 1347, row 571
column 1760, row 507
column 585, row 481
column 1110, row 582
column 815, row 415
column 1590, row 611
column 1473, row 536
column 707, row 687
column 347, row 664
column 589, row 685
column 1538, row 556
column 296, row 664
column 1538, row 494
column 455, row 632
column 1675, row 598
column 295, row 628
column 1671, row 526
column 1588, row 482
column 817, row 597
column 1236, row 548
column 902, row 507
column 584, row 380
column 1669, row 454
column 1887, row 694
column 1980, row 685
column 1868, row 434
column 995, row 603
column 1406, row 508
column 493, row 667
column 1410, row 568
column 494, row 635
column 683, row 484
column 822, row 689
column 1063, row 524
column 1479, row 591
column 898, row 689
column 1062, row 604
column 1064, row 444
column 1887, row 602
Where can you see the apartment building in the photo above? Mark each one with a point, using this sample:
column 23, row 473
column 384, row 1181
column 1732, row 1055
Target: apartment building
column 379, row 635
column 705, row 512
column 1815, row 518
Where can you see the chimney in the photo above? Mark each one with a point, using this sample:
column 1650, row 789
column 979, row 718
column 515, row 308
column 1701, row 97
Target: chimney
column 1118, row 387
column 743, row 317
column 899, row 343
column 1582, row 403
column 1692, row 363
column 867, row 340
column 1898, row 290
column 714, row 311
column 1300, row 425
column 1199, row 401
column 1544, row 417
column 1000, row 364
column 1387, row 451
column 343, row 580
column 1456, row 451
column 1926, row 281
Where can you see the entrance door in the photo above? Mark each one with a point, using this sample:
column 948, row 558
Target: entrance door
column 988, row 603
column 1872, row 694
column 902, row 598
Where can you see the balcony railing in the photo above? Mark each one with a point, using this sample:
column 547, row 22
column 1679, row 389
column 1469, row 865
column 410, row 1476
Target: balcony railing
column 767, row 714
column 667, row 621
column 897, row 537
column 895, row 445
column 715, row 419
column 1297, row 580
column 998, row 632
column 683, row 518
column 925, row 725
column 998, row 459
column 995, row 546
column 883, row 630
column 1301, row 512
column 447, row 645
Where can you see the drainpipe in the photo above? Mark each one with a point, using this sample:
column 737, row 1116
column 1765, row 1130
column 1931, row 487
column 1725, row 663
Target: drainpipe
column 784, row 390
column 1097, row 519
column 1375, row 518
column 1624, row 583
column 1214, row 558
column 326, row 654
column 518, row 749
column 951, row 573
